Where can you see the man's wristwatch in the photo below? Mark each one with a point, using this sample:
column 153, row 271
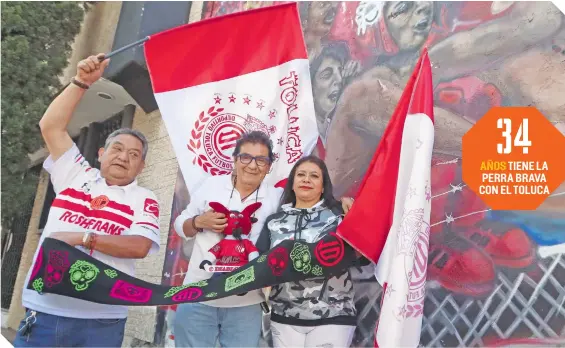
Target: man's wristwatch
column 194, row 224
column 87, row 239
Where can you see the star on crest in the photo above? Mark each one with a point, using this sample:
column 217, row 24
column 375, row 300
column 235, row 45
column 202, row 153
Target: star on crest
column 246, row 100
column 389, row 290
column 260, row 105
column 272, row 129
column 402, row 311
column 218, row 99
column 272, row 114
column 232, row 98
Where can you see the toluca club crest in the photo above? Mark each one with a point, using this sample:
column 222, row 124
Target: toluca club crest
column 413, row 243
column 215, row 132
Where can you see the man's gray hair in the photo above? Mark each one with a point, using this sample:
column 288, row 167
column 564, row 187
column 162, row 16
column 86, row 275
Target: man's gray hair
column 129, row 131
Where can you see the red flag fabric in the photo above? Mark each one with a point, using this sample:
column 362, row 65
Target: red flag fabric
column 390, row 220
column 218, row 78
column 364, row 228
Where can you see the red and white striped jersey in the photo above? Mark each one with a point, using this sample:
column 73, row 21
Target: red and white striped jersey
column 85, row 203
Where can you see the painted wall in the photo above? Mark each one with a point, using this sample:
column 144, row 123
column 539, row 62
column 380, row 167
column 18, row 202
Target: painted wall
column 492, row 275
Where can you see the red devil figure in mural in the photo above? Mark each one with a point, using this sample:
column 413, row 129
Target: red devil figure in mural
column 235, row 250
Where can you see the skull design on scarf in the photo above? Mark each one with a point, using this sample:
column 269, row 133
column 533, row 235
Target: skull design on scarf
column 57, row 264
column 301, row 258
column 278, row 260
column 82, row 273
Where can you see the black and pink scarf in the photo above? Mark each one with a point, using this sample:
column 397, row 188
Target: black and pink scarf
column 64, row 270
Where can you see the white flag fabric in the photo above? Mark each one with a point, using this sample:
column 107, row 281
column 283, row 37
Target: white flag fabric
column 402, row 265
column 218, row 78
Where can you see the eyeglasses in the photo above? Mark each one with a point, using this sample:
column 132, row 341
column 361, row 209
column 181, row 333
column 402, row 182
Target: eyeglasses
column 260, row 160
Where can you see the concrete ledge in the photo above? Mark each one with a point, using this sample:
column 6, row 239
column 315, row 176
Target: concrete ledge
column 8, row 334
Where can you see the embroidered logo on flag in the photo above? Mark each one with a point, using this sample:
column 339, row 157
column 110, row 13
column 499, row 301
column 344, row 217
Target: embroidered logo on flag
column 417, row 276
column 152, row 207
column 215, row 132
column 413, row 246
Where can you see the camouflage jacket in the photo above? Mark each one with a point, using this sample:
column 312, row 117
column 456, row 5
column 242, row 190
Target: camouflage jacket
column 315, row 301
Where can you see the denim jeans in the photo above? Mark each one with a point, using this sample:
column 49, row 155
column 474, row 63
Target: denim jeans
column 200, row 325
column 55, row 331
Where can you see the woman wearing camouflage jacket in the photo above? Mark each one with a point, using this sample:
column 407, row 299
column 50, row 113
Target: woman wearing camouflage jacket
column 318, row 312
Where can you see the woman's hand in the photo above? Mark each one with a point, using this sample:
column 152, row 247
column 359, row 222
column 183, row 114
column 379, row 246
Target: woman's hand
column 346, row 204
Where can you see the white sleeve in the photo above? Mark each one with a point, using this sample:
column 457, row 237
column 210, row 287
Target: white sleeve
column 195, row 207
column 146, row 220
column 66, row 168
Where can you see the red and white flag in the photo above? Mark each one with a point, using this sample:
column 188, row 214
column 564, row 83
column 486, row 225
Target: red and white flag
column 217, row 78
column 390, row 220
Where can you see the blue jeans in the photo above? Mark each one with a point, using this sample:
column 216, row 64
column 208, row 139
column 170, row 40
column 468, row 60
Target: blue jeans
column 55, row 331
column 200, row 325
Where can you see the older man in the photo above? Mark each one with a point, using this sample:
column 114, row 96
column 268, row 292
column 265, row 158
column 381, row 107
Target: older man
column 102, row 212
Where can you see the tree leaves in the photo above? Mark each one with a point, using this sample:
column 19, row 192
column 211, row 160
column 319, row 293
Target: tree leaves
column 36, row 45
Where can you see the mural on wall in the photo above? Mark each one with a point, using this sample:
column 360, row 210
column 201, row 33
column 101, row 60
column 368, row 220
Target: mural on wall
column 494, row 277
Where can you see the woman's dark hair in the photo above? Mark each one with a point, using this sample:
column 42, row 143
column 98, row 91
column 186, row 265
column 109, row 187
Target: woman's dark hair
column 289, row 196
column 254, row 137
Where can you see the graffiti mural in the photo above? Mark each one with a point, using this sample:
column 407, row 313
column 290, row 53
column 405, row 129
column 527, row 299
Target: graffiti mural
column 494, row 277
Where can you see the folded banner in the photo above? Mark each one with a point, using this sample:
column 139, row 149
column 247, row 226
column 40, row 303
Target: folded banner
column 218, row 78
column 64, row 270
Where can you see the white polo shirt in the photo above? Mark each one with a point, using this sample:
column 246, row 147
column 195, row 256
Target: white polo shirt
column 219, row 189
column 84, row 202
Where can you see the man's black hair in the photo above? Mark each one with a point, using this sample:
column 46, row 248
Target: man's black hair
column 254, row 137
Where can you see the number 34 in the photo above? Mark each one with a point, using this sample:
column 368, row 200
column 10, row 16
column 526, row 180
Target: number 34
column 521, row 139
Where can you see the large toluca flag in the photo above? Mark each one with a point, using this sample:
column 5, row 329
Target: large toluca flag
column 217, row 78
column 396, row 238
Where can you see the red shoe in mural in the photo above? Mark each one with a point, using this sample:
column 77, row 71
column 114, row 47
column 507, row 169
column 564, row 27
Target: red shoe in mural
column 508, row 246
column 460, row 267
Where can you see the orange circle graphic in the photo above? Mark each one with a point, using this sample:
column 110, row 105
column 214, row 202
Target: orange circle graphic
column 513, row 158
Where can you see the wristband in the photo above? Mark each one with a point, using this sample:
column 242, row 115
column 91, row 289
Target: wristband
column 80, row 84
column 194, row 224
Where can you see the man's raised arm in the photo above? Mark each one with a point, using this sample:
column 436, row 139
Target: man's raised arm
column 54, row 122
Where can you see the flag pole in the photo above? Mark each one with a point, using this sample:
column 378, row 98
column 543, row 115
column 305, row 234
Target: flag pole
column 126, row 47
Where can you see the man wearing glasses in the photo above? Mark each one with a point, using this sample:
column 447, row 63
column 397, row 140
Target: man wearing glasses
column 235, row 321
